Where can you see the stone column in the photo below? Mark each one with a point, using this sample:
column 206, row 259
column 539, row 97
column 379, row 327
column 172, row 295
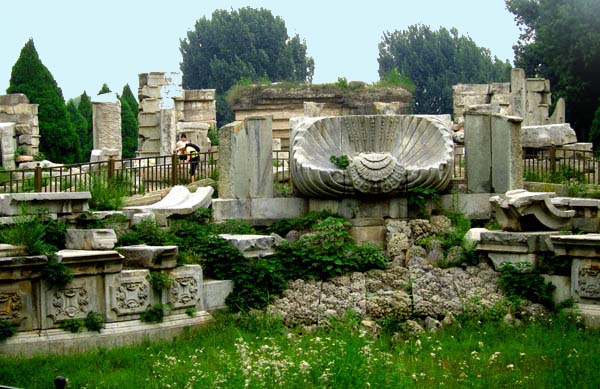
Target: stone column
column 8, row 145
column 106, row 118
column 149, row 116
column 518, row 92
column 493, row 152
column 15, row 108
column 246, row 159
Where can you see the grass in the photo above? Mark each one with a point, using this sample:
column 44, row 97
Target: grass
column 259, row 352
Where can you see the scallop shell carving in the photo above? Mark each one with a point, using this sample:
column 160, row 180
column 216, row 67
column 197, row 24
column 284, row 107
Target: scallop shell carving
column 388, row 154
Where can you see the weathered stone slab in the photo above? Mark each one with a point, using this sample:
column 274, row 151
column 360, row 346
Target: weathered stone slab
column 562, row 285
column 395, row 208
column 91, row 239
column 252, row 245
column 149, row 257
column 577, row 246
column 73, row 301
column 91, row 262
column 547, row 135
column 59, row 203
column 215, row 293
column 512, row 209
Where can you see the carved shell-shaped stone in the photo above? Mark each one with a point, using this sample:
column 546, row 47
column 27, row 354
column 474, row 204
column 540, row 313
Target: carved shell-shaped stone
column 388, row 154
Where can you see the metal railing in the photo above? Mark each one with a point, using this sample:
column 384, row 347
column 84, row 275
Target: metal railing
column 140, row 175
column 557, row 165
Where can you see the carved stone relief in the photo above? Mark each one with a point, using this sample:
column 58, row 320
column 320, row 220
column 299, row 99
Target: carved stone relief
column 11, row 305
column 69, row 303
column 588, row 282
column 185, row 290
column 131, row 297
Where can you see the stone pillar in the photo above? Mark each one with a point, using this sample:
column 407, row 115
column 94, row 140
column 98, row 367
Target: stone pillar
column 245, row 159
column 149, row 116
column 8, row 145
column 106, row 118
column 518, row 91
column 493, row 152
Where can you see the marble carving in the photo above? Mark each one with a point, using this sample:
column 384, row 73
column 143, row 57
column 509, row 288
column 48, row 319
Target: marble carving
column 387, row 154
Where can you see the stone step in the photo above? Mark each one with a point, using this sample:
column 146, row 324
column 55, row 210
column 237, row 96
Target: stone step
column 590, row 314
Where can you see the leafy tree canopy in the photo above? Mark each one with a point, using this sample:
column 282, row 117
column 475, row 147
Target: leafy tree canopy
column 59, row 140
column 436, row 60
column 245, row 43
column 560, row 41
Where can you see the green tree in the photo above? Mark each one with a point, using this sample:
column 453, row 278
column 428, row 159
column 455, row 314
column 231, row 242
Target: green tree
column 595, row 129
column 86, row 137
column 245, row 43
column 81, row 126
column 129, row 123
column 560, row 41
column 59, row 140
column 436, row 60
column 129, row 130
column 130, row 98
column 104, row 89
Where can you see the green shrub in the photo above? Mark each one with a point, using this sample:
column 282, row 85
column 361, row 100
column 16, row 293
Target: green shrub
column 94, row 321
column 56, row 273
column 518, row 281
column 395, row 79
column 340, row 162
column 191, row 311
column 420, row 198
column 159, row 281
column 72, row 325
column 327, row 252
column 108, row 194
column 154, row 313
column 6, row 330
column 146, row 232
column 301, row 223
column 28, row 231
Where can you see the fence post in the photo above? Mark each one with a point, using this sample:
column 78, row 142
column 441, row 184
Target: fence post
column 552, row 158
column 37, row 178
column 111, row 167
column 174, row 163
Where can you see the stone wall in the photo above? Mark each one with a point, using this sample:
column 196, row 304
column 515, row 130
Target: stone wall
column 166, row 112
column 528, row 98
column 15, row 108
column 283, row 104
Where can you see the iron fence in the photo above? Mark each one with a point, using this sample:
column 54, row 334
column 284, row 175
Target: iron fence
column 139, row 175
column 557, row 165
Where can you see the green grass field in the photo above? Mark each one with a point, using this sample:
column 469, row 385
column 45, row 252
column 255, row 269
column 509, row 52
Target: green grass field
column 259, row 352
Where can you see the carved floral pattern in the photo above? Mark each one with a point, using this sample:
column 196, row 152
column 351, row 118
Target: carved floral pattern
column 131, row 297
column 69, row 303
column 588, row 283
column 10, row 306
column 184, row 292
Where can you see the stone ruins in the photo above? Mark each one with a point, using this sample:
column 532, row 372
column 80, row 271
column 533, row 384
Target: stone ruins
column 166, row 112
column 19, row 129
column 283, row 104
column 106, row 127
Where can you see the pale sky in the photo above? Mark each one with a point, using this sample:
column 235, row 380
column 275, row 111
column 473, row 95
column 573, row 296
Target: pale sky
column 87, row 43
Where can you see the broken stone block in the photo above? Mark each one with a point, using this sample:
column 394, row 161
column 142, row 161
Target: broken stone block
column 93, row 239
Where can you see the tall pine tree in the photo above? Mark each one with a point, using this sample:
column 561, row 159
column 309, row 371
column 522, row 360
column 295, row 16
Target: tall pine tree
column 130, row 98
column 85, row 109
column 104, row 89
column 59, row 140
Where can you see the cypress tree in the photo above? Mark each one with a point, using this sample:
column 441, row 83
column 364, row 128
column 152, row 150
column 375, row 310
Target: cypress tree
column 59, row 140
column 104, row 89
column 81, row 126
column 85, row 109
column 129, row 130
column 131, row 100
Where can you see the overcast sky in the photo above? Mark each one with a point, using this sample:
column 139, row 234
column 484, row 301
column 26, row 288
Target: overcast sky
column 87, row 43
